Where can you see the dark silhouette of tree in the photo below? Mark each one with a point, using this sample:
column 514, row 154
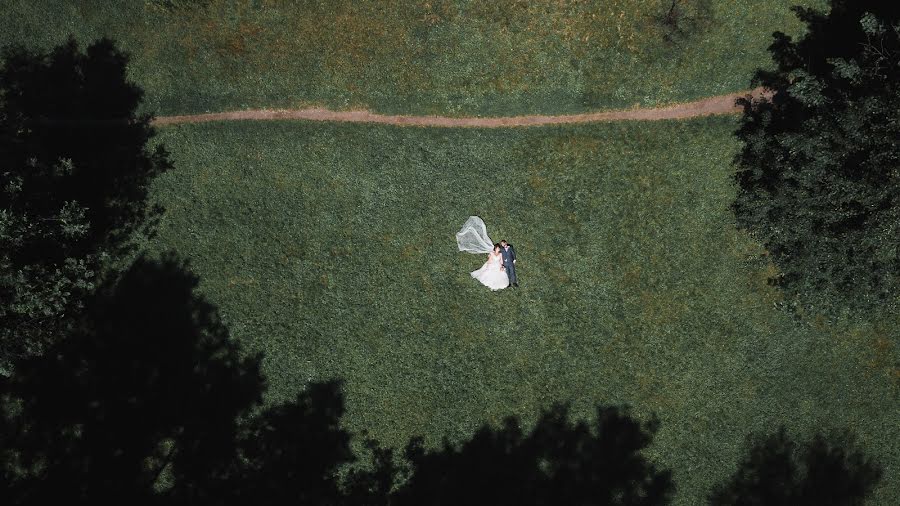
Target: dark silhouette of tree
column 148, row 400
column 818, row 174
column 74, row 174
column 149, row 385
column 291, row 453
column 372, row 485
column 559, row 462
column 781, row 472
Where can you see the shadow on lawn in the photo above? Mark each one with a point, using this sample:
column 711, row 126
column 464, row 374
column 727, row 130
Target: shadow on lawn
column 781, row 472
column 150, row 401
column 558, row 462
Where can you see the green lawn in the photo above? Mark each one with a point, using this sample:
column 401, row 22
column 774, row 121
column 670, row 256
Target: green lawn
column 331, row 248
column 457, row 57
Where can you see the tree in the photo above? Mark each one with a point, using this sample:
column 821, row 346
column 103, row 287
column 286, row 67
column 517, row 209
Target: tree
column 291, row 453
column 146, row 393
column 780, row 472
column 559, row 462
column 74, row 176
column 150, row 401
column 818, row 172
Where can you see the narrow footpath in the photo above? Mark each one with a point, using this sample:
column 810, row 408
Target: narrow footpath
column 723, row 104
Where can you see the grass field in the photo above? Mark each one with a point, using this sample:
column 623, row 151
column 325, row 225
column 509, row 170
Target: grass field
column 456, row 57
column 331, row 248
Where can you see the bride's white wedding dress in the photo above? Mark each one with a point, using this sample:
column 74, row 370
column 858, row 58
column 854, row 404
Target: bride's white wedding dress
column 490, row 273
column 473, row 238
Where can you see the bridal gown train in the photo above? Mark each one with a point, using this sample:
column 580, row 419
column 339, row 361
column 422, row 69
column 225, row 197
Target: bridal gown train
column 490, row 274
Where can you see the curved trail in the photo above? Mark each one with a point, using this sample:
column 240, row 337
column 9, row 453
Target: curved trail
column 723, row 104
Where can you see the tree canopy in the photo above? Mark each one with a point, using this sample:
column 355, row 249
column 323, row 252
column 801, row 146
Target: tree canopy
column 75, row 166
column 149, row 381
column 818, row 173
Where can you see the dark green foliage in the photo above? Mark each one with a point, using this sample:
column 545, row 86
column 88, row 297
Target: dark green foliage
column 292, row 451
column 74, row 172
column 818, row 173
column 149, row 382
column 39, row 284
column 780, row 472
column 559, row 462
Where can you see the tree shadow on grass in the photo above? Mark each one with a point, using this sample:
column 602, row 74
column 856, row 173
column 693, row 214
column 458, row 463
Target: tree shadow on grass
column 291, row 453
column 558, row 462
column 683, row 20
column 781, row 472
column 150, row 401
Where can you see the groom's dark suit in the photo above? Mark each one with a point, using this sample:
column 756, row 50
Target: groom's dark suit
column 509, row 257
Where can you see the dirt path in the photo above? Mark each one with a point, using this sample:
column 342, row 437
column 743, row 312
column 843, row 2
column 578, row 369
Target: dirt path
column 723, row 104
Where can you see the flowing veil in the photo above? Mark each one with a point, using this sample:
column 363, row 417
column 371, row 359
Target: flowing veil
column 473, row 237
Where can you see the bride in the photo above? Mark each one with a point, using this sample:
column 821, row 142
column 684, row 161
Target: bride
column 473, row 238
column 492, row 274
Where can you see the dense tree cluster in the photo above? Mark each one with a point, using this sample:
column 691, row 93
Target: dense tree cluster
column 819, row 172
column 74, row 172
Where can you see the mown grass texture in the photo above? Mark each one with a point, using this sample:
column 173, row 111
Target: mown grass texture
column 331, row 249
column 455, row 57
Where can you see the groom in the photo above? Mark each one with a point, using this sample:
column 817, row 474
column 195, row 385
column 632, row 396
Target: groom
column 509, row 262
